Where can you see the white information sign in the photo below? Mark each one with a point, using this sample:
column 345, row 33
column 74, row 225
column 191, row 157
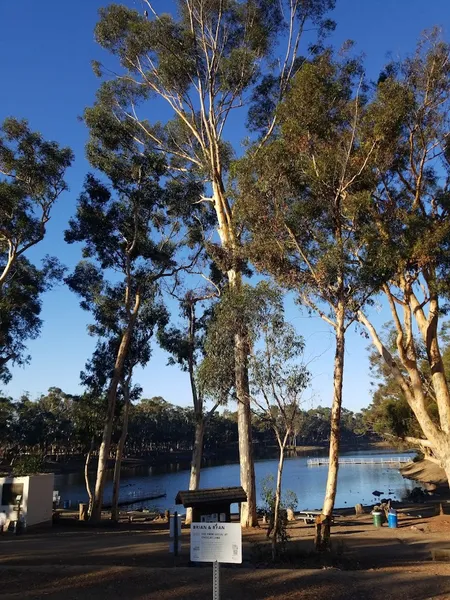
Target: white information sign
column 221, row 542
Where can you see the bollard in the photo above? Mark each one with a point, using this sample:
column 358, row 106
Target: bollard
column 83, row 511
column 359, row 510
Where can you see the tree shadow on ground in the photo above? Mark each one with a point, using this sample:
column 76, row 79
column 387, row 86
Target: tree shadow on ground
column 236, row 584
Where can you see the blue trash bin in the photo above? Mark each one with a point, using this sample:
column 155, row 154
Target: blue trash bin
column 392, row 519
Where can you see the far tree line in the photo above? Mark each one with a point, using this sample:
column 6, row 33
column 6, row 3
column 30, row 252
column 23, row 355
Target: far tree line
column 340, row 199
column 57, row 427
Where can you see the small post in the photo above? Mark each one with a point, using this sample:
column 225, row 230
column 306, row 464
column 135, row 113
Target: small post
column 83, row 511
column 18, row 524
column 175, row 534
column 216, row 580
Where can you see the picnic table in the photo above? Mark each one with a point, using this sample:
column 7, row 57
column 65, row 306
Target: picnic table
column 309, row 516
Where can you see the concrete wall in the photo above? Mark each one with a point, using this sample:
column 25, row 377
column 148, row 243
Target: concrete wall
column 37, row 501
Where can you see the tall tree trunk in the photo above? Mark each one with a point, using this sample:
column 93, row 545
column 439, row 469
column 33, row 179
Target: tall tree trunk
column 276, row 516
column 119, row 455
column 196, row 462
column 249, row 516
column 429, row 330
column 109, row 419
column 227, row 236
column 86, row 474
column 333, row 467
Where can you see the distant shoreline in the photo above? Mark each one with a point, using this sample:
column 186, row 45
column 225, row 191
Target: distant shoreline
column 76, row 464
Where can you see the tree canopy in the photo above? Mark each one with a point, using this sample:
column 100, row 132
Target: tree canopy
column 32, row 174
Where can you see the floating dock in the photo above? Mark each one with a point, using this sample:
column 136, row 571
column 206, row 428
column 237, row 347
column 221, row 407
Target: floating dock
column 362, row 460
column 134, row 498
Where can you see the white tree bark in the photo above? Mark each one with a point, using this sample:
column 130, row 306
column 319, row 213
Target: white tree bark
column 86, row 475
column 276, row 516
column 119, row 453
column 412, row 386
column 109, row 417
column 249, row 517
column 196, row 462
column 338, row 378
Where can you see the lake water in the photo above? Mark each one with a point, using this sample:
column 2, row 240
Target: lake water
column 355, row 483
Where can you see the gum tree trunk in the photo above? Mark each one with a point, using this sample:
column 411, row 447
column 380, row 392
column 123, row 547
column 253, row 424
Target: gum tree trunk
column 109, row 418
column 333, row 467
column 411, row 385
column 247, row 468
column 249, row 516
column 86, row 475
column 196, row 462
column 276, row 516
column 119, row 455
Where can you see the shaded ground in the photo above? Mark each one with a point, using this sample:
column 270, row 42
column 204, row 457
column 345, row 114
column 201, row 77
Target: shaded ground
column 133, row 562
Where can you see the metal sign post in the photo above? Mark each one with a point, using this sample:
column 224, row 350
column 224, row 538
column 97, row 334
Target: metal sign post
column 216, row 543
column 216, row 580
column 175, row 533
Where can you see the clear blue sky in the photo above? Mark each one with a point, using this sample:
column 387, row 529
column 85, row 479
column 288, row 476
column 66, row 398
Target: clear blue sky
column 46, row 49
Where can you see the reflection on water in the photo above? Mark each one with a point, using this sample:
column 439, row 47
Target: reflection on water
column 355, row 484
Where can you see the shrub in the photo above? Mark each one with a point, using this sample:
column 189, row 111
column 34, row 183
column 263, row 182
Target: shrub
column 28, row 464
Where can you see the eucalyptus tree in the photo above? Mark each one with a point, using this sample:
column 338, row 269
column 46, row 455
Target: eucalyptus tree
column 186, row 346
column 99, row 372
column 278, row 379
column 32, row 174
column 300, row 197
column 129, row 393
column 204, row 64
column 87, row 414
column 129, row 245
column 407, row 231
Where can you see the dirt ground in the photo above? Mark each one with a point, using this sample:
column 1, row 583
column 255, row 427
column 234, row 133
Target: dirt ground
column 132, row 562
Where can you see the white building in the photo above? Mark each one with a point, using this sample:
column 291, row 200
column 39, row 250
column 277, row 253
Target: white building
column 37, row 498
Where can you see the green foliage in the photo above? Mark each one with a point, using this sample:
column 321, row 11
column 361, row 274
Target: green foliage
column 65, row 424
column 202, row 63
column 275, row 370
column 238, row 311
column 277, row 374
column 247, row 32
column 302, row 196
column 130, row 240
column 20, row 307
column 28, row 464
column 31, row 180
column 268, row 493
column 288, row 500
column 410, row 206
column 6, row 421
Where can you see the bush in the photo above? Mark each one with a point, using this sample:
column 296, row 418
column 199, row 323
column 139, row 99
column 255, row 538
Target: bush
column 288, row 500
column 28, row 464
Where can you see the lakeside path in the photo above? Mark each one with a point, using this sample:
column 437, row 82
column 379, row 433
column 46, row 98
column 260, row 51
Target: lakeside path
column 132, row 562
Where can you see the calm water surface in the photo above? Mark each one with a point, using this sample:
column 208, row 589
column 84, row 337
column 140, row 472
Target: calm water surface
column 355, row 483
